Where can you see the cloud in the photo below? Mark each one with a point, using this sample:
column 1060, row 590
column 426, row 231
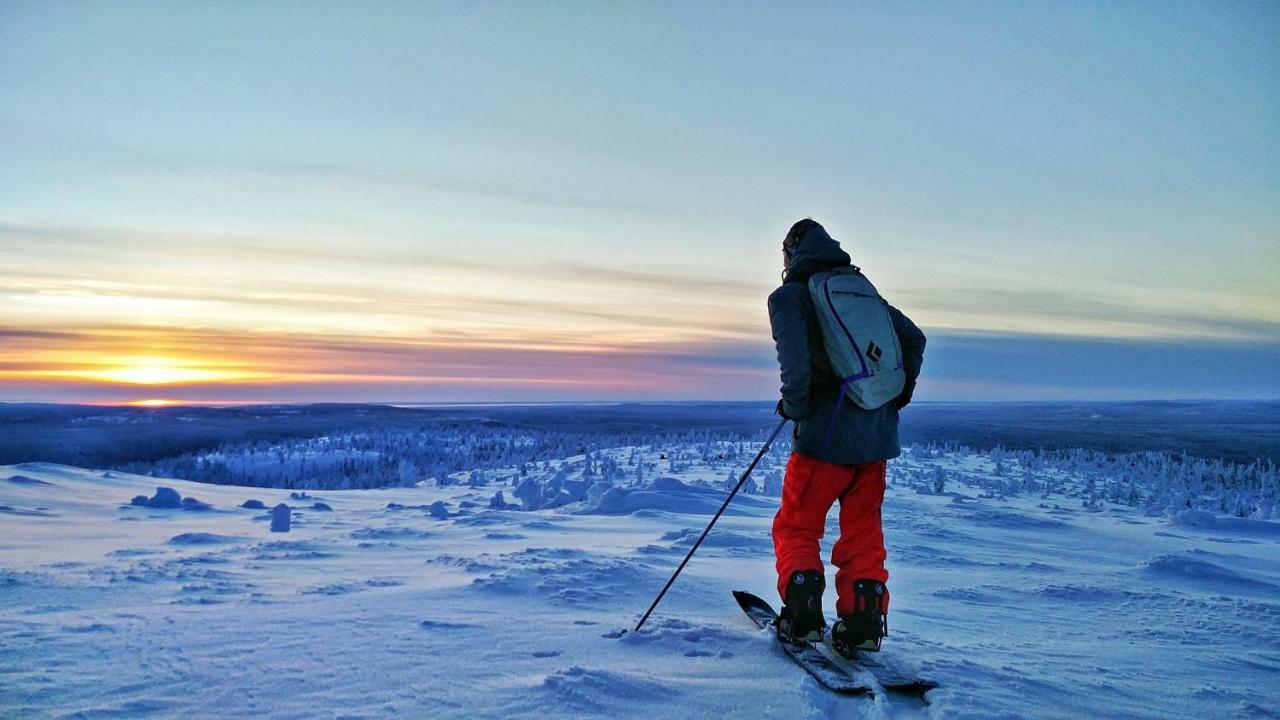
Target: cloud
column 476, row 366
column 361, row 176
column 315, row 278
column 667, row 281
column 1095, row 312
column 109, row 274
column 303, row 368
column 16, row 335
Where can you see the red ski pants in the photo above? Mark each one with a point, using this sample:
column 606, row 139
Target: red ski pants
column 809, row 489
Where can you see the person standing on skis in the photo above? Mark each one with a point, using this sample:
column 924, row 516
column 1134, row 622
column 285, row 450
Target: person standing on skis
column 839, row 453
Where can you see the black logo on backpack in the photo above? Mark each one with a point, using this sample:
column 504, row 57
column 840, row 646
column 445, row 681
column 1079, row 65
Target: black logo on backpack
column 874, row 352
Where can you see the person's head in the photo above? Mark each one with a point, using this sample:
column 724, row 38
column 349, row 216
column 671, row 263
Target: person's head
column 791, row 243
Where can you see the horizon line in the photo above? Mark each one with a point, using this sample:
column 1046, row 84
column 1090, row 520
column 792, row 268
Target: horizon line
column 148, row 404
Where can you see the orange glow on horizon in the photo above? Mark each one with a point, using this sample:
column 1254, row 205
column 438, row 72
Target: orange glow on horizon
column 167, row 366
column 151, row 370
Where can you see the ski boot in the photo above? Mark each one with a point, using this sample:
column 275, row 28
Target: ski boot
column 863, row 629
column 801, row 618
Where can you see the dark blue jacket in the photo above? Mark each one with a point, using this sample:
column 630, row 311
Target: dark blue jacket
column 828, row 425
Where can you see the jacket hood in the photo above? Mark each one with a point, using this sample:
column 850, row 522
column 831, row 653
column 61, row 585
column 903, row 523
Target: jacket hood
column 816, row 252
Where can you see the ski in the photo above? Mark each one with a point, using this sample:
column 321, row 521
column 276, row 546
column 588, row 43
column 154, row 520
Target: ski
column 808, row 656
column 833, row 670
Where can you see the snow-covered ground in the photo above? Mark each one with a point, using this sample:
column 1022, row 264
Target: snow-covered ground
column 390, row 605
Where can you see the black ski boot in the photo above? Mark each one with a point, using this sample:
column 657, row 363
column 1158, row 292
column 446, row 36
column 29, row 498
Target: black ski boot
column 801, row 617
column 863, row 629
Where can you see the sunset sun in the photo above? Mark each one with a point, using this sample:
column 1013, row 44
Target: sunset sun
column 161, row 371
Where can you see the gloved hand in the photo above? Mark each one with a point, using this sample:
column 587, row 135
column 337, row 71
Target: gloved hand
column 782, row 412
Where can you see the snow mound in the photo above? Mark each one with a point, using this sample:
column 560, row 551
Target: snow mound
column 1010, row 520
column 201, row 538
column 670, row 495
column 281, row 518
column 24, row 480
column 165, row 498
column 389, row 533
column 567, row 576
column 169, row 499
column 190, row 503
column 682, row 540
column 598, row 691
column 291, row 550
column 1183, row 566
column 1205, row 520
column 8, row 510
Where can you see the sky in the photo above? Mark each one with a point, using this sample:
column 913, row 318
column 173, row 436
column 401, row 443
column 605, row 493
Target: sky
column 438, row 202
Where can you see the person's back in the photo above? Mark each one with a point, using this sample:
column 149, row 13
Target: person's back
column 838, row 454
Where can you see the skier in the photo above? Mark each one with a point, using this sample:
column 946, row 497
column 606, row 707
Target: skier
column 838, row 454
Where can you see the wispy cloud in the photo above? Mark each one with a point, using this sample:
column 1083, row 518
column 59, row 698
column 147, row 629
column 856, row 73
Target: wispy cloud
column 1097, row 313
column 397, row 369
column 110, row 274
column 475, row 366
column 362, row 176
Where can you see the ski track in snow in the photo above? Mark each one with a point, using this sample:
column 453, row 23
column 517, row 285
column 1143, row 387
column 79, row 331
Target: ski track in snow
column 423, row 602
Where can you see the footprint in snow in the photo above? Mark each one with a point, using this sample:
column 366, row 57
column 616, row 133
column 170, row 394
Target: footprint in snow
column 290, row 550
column 90, row 628
column 723, row 654
column 133, row 552
column 383, row 582
column 681, row 633
column 339, row 588
column 440, row 625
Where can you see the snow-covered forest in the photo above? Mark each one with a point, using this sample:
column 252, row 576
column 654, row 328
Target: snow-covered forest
column 549, row 468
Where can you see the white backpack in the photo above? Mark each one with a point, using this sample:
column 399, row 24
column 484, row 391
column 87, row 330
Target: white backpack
column 859, row 336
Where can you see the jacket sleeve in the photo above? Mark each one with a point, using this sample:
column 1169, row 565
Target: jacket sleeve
column 791, row 338
column 911, row 340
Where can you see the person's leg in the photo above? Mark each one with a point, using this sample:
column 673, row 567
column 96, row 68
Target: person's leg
column 859, row 553
column 808, row 491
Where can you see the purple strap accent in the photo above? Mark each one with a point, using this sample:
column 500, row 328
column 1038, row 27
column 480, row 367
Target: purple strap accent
column 865, row 372
column 831, row 423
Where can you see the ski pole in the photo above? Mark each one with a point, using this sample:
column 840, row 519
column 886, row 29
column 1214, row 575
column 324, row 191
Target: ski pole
column 719, row 512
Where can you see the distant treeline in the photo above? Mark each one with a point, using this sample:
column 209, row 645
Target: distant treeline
column 115, row 437
column 1234, row 431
